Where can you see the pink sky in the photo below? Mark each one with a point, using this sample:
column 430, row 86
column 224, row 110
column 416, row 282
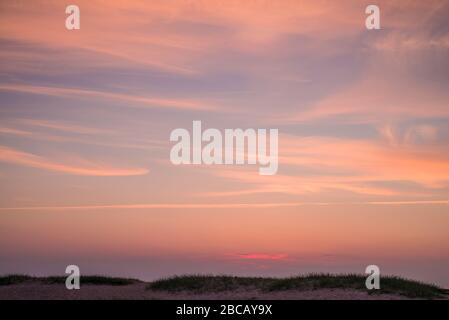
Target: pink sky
column 363, row 119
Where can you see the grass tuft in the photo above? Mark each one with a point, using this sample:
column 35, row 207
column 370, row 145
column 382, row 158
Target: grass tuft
column 210, row 283
column 13, row 279
column 205, row 283
column 93, row 280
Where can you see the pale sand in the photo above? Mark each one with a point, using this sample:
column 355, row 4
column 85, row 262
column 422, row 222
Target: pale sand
column 39, row 291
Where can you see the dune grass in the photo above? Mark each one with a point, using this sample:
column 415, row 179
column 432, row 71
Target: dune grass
column 94, row 280
column 209, row 283
column 13, row 279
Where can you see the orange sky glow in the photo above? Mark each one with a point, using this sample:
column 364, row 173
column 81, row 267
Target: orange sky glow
column 363, row 120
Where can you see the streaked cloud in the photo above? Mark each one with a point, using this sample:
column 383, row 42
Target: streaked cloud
column 234, row 205
column 353, row 165
column 63, row 126
column 163, row 206
column 133, row 100
column 17, row 157
column 262, row 256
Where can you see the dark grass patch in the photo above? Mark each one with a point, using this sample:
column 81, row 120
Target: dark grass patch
column 209, row 283
column 411, row 288
column 318, row 281
column 13, row 279
column 93, row 280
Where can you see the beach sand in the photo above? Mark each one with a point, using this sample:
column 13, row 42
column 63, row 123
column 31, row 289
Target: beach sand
column 39, row 291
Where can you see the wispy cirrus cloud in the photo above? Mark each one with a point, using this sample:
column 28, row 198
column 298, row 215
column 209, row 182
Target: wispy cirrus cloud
column 163, row 206
column 64, row 126
column 133, row 100
column 70, row 132
column 372, row 99
column 262, row 256
column 17, row 157
column 205, row 206
column 298, row 185
column 422, row 133
column 370, row 159
column 14, row 131
column 370, row 167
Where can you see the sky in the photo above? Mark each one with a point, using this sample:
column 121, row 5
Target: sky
column 363, row 120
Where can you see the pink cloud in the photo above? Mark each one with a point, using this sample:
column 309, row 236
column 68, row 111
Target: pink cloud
column 262, row 256
column 133, row 100
column 351, row 165
column 17, row 157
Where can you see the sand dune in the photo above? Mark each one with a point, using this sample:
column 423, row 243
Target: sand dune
column 323, row 287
